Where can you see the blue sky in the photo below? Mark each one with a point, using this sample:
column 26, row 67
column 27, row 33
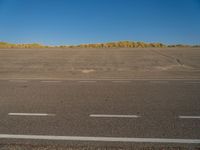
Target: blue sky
column 58, row 22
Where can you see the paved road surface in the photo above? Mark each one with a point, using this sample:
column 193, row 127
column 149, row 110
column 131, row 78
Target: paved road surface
column 99, row 97
column 163, row 111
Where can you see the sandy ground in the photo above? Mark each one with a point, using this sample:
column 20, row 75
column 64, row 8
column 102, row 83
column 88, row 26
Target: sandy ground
column 99, row 63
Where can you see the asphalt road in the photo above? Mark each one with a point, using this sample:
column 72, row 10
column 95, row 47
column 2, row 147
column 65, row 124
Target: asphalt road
column 150, row 110
column 83, row 98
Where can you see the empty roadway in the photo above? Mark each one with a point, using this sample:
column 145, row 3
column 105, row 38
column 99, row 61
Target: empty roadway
column 157, row 107
column 127, row 105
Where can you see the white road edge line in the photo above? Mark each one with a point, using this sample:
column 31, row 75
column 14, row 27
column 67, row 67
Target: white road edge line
column 111, row 79
column 100, row 139
column 189, row 117
column 113, row 116
column 29, row 114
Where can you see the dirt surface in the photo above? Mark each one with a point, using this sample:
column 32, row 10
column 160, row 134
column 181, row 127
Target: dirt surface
column 99, row 63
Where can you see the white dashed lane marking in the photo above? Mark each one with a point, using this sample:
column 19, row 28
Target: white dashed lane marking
column 53, row 81
column 120, row 81
column 189, row 117
column 113, row 116
column 30, row 114
column 159, row 82
column 18, row 81
column 84, row 81
column 193, row 82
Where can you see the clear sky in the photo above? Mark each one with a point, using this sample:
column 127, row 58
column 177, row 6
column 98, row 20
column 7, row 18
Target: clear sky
column 57, row 22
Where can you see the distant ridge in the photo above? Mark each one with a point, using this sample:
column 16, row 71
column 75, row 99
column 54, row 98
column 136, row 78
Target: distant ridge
column 120, row 44
column 10, row 45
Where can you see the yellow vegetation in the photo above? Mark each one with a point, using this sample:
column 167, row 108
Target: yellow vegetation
column 120, row 44
column 9, row 45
